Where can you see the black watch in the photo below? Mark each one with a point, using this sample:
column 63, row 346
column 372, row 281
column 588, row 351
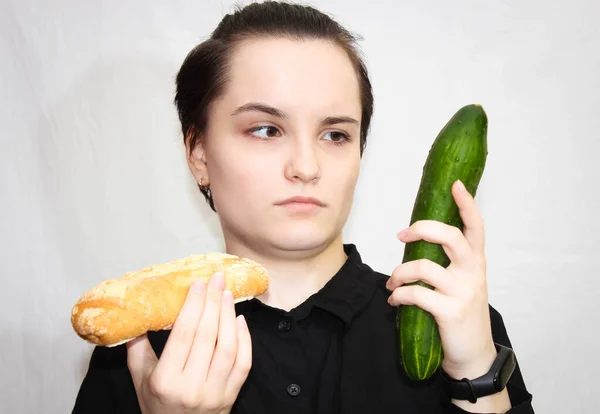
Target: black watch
column 494, row 381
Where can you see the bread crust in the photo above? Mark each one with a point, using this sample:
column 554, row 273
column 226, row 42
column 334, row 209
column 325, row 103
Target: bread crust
column 119, row 310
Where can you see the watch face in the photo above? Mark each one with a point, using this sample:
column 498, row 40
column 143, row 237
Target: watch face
column 506, row 371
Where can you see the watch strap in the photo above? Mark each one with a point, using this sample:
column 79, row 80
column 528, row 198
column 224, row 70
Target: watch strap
column 490, row 383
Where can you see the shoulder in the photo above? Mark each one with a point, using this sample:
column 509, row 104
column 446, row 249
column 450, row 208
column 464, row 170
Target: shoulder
column 376, row 278
column 377, row 312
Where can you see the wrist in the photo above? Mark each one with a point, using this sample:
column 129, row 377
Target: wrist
column 484, row 391
column 477, row 367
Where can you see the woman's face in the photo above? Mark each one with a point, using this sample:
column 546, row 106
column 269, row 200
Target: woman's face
column 288, row 125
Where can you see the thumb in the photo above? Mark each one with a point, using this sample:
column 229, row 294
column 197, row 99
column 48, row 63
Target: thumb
column 141, row 359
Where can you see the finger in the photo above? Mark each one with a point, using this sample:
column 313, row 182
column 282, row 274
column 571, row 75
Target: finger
column 226, row 350
column 205, row 338
column 181, row 338
column 449, row 237
column 429, row 300
column 424, row 270
column 141, row 359
column 470, row 216
column 243, row 361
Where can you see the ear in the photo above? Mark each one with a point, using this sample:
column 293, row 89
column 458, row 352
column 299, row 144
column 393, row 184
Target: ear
column 196, row 160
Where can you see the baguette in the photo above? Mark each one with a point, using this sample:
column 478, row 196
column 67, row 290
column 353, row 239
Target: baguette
column 119, row 310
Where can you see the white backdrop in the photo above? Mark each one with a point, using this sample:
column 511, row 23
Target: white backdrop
column 94, row 181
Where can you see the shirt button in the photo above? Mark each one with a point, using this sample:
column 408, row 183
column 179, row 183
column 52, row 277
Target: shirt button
column 283, row 326
column 293, row 389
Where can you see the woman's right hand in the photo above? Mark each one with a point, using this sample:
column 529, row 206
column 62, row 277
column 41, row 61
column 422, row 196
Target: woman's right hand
column 205, row 361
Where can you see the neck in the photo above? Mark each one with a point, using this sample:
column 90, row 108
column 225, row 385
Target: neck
column 294, row 278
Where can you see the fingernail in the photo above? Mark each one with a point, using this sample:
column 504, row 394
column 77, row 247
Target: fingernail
column 460, row 185
column 198, row 286
column 218, row 280
column 388, row 284
column 403, row 233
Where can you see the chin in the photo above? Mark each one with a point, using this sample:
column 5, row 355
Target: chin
column 292, row 237
column 303, row 237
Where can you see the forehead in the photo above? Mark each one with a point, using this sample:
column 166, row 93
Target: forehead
column 296, row 75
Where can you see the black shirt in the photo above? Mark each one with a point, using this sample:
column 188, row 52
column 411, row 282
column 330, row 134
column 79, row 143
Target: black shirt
column 335, row 353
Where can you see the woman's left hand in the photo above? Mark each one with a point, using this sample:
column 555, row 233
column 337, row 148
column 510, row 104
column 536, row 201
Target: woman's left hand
column 459, row 302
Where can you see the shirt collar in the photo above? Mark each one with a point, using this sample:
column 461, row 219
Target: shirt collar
column 344, row 295
column 349, row 290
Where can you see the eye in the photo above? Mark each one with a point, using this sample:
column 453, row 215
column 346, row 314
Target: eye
column 265, row 131
column 338, row 137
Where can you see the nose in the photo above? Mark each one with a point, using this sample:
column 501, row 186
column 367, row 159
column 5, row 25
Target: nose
column 303, row 161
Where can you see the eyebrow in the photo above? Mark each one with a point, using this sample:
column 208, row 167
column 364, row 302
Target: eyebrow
column 267, row 109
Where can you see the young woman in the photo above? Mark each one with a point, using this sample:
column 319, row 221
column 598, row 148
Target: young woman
column 275, row 108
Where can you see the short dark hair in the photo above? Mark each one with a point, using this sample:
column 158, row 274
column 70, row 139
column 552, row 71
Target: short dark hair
column 202, row 76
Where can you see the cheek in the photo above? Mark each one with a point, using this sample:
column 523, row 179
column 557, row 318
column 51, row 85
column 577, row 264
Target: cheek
column 242, row 178
column 351, row 170
column 344, row 184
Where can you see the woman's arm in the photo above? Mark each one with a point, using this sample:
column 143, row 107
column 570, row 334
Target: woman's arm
column 516, row 391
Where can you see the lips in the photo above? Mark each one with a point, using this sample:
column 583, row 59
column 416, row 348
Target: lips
column 302, row 200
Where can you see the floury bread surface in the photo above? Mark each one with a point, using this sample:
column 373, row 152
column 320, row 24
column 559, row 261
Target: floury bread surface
column 119, row 310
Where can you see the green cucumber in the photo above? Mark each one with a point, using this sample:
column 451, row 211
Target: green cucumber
column 459, row 152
